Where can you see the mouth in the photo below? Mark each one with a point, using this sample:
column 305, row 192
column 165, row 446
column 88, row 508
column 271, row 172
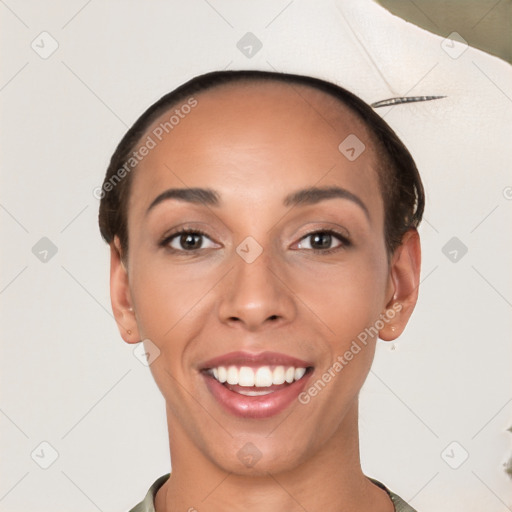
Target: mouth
column 256, row 386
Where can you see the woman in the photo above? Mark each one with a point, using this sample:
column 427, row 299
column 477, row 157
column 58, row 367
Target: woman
column 263, row 235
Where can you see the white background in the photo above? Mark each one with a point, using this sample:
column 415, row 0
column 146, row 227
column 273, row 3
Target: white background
column 68, row 379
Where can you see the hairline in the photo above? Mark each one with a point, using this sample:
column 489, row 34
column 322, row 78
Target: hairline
column 380, row 157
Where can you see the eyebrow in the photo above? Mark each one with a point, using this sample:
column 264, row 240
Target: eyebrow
column 203, row 196
column 314, row 195
column 306, row 196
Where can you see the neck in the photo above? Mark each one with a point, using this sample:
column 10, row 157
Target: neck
column 331, row 480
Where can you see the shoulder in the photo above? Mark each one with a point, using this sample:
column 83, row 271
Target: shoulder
column 399, row 503
column 148, row 503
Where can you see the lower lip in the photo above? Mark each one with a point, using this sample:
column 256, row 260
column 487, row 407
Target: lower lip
column 263, row 406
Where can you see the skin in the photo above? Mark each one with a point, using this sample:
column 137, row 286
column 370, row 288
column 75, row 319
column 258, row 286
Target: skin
column 254, row 144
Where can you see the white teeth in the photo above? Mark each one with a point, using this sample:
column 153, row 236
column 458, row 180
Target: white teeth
column 246, row 376
column 261, row 377
column 250, row 392
column 299, row 373
column 232, row 375
column 278, row 375
column 222, row 374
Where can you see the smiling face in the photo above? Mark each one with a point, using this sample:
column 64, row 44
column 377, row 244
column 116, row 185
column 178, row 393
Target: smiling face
column 285, row 254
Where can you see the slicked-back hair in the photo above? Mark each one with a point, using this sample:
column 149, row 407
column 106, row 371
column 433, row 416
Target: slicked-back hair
column 399, row 179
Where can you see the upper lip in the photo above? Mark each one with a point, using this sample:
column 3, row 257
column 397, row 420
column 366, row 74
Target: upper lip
column 241, row 358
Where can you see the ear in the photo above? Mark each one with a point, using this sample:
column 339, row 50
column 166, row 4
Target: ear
column 120, row 296
column 404, row 280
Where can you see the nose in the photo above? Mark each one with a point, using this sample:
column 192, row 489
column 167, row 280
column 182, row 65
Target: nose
column 255, row 295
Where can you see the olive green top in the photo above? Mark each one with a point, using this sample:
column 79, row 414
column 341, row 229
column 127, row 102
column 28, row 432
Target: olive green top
column 148, row 503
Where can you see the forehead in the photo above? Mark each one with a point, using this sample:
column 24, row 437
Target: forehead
column 266, row 102
column 266, row 136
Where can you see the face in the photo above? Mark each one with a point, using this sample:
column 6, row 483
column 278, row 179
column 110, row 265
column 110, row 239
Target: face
column 284, row 266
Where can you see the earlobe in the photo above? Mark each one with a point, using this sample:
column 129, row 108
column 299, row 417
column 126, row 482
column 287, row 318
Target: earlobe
column 120, row 295
column 404, row 276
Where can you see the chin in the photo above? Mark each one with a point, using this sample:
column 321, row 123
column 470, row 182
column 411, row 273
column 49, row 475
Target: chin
column 258, row 456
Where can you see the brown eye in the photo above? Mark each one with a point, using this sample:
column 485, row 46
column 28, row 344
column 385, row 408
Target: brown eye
column 324, row 241
column 188, row 241
column 321, row 241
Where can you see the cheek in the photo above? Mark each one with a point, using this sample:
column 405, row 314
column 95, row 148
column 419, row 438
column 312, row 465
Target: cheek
column 170, row 304
column 165, row 295
column 347, row 297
